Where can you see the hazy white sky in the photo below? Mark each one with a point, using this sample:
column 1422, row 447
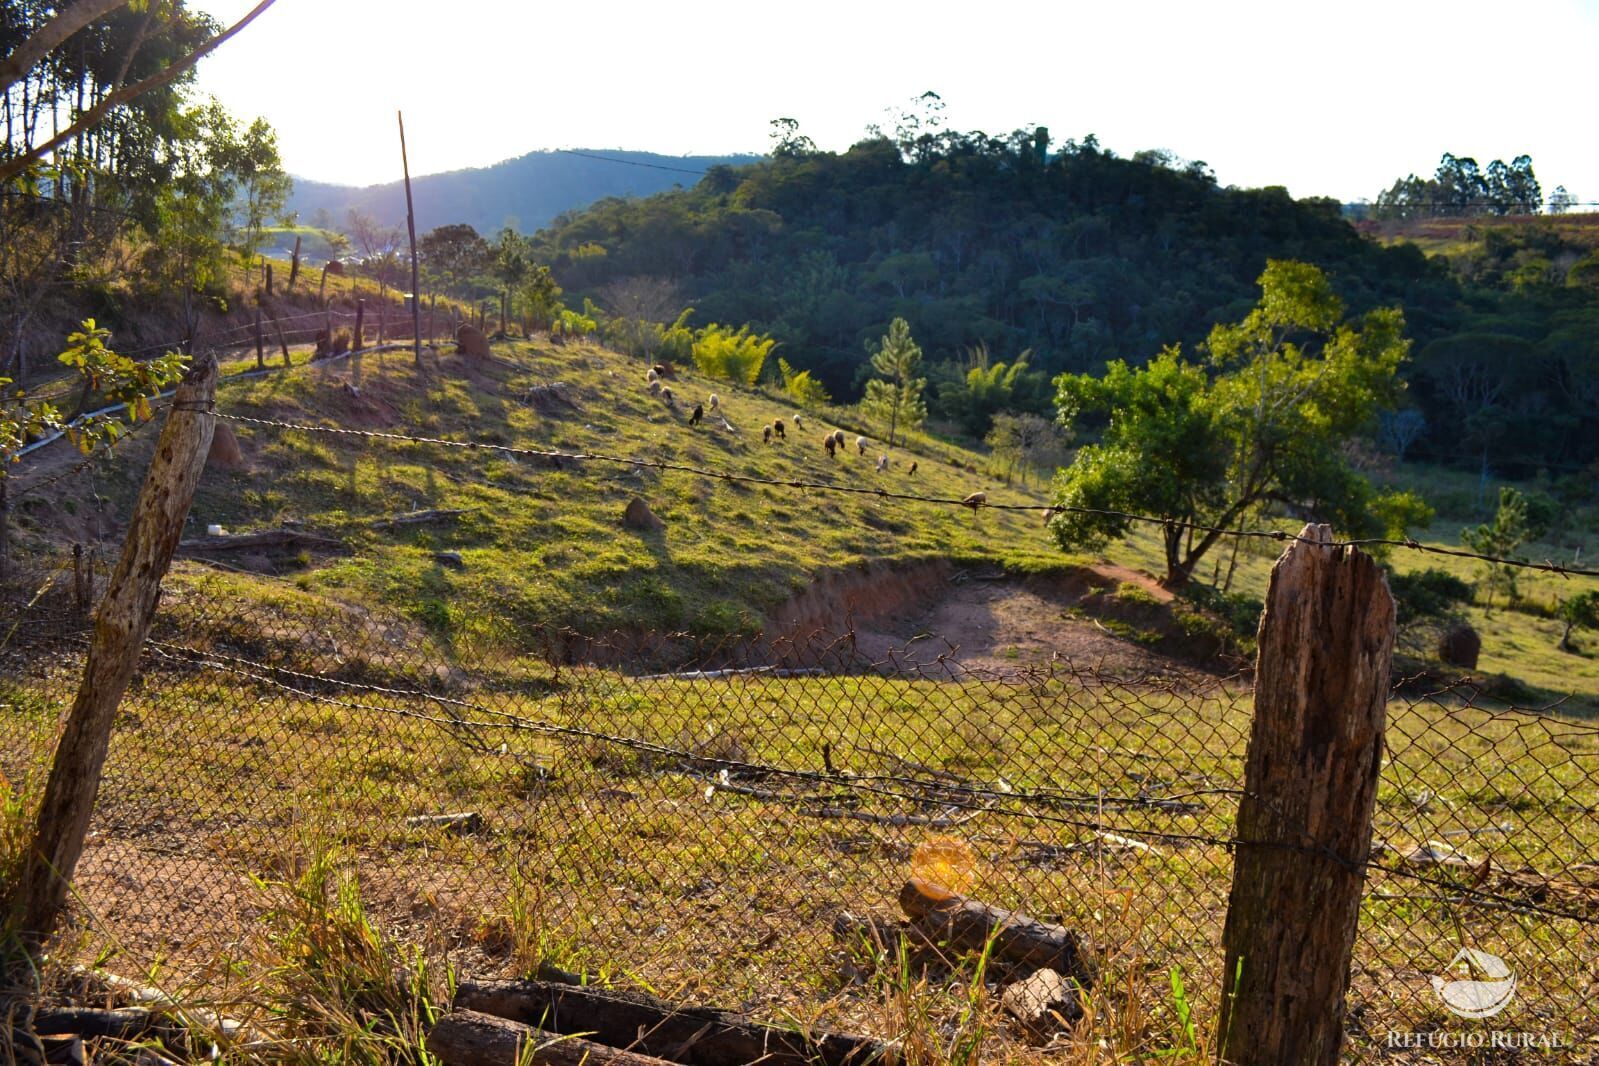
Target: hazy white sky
column 1332, row 99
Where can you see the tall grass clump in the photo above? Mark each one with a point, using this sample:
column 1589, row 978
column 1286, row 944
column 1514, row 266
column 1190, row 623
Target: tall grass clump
column 343, row 991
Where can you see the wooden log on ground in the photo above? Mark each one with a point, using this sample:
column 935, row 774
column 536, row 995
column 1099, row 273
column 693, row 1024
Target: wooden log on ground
column 970, row 924
column 415, row 518
column 267, row 538
column 468, row 1038
column 121, row 1023
column 695, row 1036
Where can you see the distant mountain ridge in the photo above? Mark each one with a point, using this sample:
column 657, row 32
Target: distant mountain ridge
column 526, row 192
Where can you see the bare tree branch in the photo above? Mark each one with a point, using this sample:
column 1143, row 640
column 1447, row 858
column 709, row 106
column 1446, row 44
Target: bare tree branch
column 50, row 36
column 12, row 167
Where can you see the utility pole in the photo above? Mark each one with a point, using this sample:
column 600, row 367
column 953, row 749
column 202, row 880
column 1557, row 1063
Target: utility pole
column 410, row 226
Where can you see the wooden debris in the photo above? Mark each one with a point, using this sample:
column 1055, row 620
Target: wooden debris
column 462, row 822
column 122, row 1023
column 695, row 1036
column 1043, row 1004
column 970, row 924
column 468, row 1038
column 267, row 538
column 417, row 518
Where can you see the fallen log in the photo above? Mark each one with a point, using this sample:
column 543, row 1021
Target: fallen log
column 417, row 518
column 267, row 538
column 121, row 1023
column 468, row 1038
column 971, row 924
column 694, row 1036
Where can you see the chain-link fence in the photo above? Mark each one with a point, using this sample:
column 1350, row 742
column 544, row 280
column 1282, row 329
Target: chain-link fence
column 720, row 817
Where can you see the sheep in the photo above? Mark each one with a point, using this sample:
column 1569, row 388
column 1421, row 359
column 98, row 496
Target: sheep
column 976, row 500
column 912, row 470
column 655, row 388
column 666, row 397
column 882, row 463
column 777, row 427
column 652, row 376
column 715, row 402
column 766, row 434
column 699, row 413
column 797, row 423
column 838, row 437
column 861, row 443
column 830, row 442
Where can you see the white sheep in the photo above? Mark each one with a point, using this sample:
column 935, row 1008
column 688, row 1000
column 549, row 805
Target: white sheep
column 860, row 444
column 798, row 424
column 882, row 463
column 652, row 376
column 715, row 402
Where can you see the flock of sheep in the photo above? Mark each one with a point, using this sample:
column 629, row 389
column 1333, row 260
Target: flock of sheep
column 834, row 442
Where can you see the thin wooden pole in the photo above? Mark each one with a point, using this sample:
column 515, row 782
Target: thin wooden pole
column 120, row 626
column 410, row 228
column 294, row 264
column 260, row 342
column 1304, row 817
column 357, row 341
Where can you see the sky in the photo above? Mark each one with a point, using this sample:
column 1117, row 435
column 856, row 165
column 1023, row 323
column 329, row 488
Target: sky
column 1327, row 99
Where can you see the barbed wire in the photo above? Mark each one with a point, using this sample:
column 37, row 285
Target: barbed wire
column 975, row 502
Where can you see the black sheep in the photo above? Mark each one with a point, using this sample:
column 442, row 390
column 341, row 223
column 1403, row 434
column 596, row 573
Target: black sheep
column 699, row 413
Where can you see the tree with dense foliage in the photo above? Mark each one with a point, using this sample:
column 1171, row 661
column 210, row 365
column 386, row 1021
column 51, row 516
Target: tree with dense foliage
column 896, row 397
column 1579, row 611
column 1022, row 442
column 801, row 387
column 973, row 393
column 1260, row 425
column 452, row 257
column 731, row 354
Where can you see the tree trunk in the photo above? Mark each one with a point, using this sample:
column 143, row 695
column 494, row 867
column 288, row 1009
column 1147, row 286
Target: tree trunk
column 696, row 1036
column 467, row 1038
column 1304, row 820
column 120, row 626
column 972, row 924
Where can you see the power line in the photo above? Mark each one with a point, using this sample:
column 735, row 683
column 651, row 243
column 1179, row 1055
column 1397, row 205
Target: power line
column 631, row 162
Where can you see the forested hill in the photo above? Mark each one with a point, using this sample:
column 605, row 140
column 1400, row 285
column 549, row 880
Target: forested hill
column 1083, row 258
column 525, row 193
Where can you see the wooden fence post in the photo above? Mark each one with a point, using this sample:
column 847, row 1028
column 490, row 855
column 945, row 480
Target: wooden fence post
column 120, row 626
column 268, row 278
column 283, row 342
column 1304, row 821
column 260, row 342
column 294, row 264
column 360, row 314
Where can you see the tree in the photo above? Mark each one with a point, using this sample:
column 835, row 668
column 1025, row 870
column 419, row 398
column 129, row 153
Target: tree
column 898, row 399
column 1561, row 201
column 1578, row 612
column 801, row 387
column 787, row 140
column 379, row 246
column 1199, row 447
column 1511, row 527
column 1024, row 441
column 511, row 263
column 452, row 256
column 250, row 161
column 115, row 378
column 1398, row 430
column 733, row 355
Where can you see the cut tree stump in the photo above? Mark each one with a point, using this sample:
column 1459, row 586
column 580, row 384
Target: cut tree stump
column 968, row 923
column 694, row 1036
column 468, row 1038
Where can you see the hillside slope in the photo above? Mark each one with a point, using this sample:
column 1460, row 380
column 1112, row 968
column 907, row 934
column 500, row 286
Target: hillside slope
column 525, row 193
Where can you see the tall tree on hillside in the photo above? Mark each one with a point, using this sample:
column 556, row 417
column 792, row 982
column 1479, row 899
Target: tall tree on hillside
column 378, row 245
column 453, row 255
column 1561, row 201
column 897, row 400
column 512, row 261
column 1262, row 426
column 263, row 187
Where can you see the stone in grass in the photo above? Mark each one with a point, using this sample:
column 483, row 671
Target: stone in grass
column 452, row 560
column 1043, row 1004
column 469, row 341
column 639, row 516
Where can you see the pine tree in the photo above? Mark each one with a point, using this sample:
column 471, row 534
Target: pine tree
column 898, row 358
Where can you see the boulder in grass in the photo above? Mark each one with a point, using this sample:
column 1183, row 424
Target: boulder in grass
column 470, row 341
column 225, row 453
column 1459, row 645
column 639, row 516
column 1043, row 1004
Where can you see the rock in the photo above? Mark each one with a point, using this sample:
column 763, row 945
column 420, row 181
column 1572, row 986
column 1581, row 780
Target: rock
column 1459, row 646
column 452, row 560
column 639, row 516
column 225, row 453
column 1043, row 1004
column 334, row 268
column 470, row 341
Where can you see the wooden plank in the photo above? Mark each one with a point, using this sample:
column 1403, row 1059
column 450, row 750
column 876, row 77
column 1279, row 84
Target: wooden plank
column 468, row 1038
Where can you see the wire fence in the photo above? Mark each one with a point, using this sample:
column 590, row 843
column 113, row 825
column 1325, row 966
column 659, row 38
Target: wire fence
column 724, row 817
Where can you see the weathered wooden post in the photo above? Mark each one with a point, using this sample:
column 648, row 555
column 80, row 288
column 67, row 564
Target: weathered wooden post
column 120, row 626
column 357, row 341
column 283, row 343
column 294, row 264
column 268, row 267
column 260, row 341
column 1304, row 822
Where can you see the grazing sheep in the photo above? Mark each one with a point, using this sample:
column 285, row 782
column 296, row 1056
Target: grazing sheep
column 766, row 434
column 976, row 500
column 715, row 402
column 860, row 444
column 838, row 437
column 830, row 442
column 797, row 423
column 655, row 388
column 665, row 370
column 652, row 376
column 699, row 413
column 912, row 470
column 777, row 427
column 667, row 398
column 882, row 463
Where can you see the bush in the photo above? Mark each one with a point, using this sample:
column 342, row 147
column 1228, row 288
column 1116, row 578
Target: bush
column 732, row 355
column 1427, row 594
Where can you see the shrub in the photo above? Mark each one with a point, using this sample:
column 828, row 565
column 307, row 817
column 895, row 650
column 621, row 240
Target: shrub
column 1426, row 594
column 734, row 355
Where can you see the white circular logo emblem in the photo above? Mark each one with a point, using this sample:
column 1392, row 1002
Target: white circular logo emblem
column 1485, row 993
